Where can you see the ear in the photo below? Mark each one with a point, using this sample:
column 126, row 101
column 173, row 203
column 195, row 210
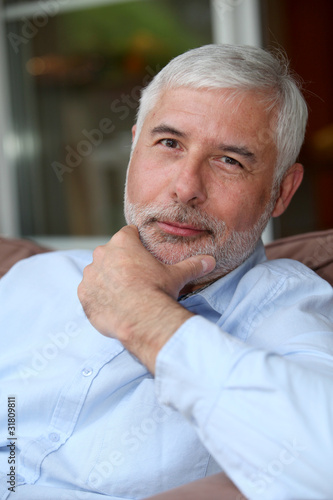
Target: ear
column 288, row 188
column 133, row 132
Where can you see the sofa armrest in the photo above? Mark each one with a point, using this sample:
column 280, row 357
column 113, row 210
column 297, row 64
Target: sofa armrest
column 216, row 487
column 13, row 250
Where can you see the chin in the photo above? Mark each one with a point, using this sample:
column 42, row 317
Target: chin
column 168, row 254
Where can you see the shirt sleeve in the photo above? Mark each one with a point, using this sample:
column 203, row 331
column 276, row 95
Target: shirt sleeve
column 266, row 419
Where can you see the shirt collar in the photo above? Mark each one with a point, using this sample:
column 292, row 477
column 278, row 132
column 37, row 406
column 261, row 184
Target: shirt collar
column 219, row 293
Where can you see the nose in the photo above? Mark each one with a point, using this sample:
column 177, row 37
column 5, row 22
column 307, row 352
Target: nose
column 188, row 186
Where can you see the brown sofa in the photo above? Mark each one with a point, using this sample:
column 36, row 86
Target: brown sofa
column 313, row 249
column 12, row 250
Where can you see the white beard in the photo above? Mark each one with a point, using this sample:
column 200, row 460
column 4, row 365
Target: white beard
column 229, row 248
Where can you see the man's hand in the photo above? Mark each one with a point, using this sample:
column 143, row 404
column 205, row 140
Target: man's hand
column 128, row 294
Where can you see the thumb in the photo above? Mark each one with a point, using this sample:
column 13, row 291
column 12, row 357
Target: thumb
column 194, row 267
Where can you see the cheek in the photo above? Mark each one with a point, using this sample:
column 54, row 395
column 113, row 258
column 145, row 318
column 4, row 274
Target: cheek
column 241, row 208
column 143, row 184
column 130, row 185
column 252, row 209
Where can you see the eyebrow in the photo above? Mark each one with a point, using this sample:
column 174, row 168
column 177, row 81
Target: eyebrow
column 166, row 129
column 242, row 151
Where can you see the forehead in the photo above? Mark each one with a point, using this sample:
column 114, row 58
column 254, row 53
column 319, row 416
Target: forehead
column 215, row 114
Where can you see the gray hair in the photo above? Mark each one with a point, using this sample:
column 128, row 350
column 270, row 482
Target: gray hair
column 240, row 68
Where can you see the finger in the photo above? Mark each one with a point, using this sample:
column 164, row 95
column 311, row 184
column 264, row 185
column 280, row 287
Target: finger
column 193, row 268
column 125, row 236
column 132, row 228
column 129, row 230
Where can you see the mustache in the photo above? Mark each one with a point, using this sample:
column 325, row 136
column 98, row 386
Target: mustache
column 181, row 214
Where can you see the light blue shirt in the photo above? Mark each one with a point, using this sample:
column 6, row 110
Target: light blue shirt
column 88, row 424
column 252, row 373
column 258, row 384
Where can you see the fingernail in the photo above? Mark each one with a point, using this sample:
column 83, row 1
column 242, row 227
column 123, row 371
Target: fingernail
column 208, row 264
column 204, row 265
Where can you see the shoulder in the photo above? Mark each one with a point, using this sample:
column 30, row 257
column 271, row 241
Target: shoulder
column 287, row 282
column 51, row 265
column 77, row 259
column 282, row 287
column 286, row 271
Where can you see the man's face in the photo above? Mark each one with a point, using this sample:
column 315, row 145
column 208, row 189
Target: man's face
column 200, row 179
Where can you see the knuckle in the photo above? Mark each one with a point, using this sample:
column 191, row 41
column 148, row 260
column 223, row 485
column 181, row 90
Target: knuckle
column 86, row 272
column 119, row 237
column 123, row 234
column 98, row 252
column 81, row 291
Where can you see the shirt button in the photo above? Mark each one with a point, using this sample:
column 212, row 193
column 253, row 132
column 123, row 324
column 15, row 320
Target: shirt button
column 86, row 372
column 54, row 437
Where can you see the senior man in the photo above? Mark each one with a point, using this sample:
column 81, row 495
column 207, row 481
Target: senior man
column 240, row 348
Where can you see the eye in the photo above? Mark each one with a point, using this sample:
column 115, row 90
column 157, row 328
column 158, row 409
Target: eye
column 170, row 143
column 231, row 161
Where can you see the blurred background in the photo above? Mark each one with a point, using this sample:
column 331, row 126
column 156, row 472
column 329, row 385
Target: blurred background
column 71, row 75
